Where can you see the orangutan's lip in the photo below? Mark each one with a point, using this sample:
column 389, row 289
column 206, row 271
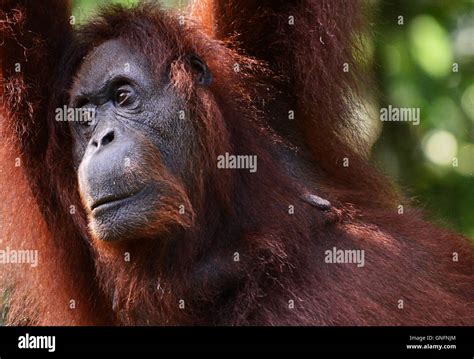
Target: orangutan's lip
column 113, row 199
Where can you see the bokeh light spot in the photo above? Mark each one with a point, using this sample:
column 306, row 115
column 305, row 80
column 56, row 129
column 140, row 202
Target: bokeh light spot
column 430, row 46
column 440, row 147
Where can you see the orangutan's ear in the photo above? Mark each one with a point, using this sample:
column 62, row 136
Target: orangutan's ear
column 202, row 74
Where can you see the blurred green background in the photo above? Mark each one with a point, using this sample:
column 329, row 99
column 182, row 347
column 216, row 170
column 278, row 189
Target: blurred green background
column 415, row 66
column 422, row 55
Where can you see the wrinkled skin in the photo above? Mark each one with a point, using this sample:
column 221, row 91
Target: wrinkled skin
column 135, row 124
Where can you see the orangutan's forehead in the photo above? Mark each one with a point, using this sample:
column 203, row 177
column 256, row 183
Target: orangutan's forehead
column 111, row 59
column 108, row 55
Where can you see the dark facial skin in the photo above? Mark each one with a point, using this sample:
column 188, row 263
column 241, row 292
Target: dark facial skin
column 136, row 127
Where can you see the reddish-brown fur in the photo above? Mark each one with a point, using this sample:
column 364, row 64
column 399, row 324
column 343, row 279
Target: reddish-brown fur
column 281, row 254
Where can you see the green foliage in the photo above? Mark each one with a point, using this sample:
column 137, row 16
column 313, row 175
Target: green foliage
column 4, row 294
column 83, row 9
column 427, row 62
